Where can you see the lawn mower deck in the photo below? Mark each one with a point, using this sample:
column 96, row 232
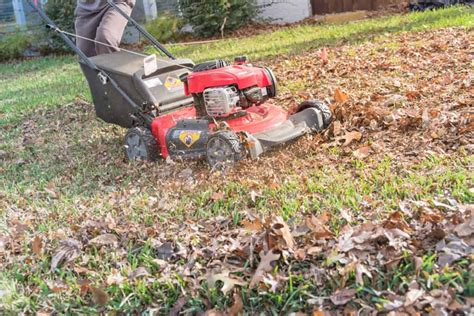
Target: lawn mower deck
column 177, row 109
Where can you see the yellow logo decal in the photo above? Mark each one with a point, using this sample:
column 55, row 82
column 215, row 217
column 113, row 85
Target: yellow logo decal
column 189, row 137
column 173, row 84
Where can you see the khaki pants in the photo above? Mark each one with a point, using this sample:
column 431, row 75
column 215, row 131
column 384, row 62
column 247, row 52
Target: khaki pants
column 96, row 20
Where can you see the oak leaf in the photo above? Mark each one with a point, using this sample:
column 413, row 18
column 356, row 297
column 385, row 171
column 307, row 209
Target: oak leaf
column 224, row 277
column 264, row 266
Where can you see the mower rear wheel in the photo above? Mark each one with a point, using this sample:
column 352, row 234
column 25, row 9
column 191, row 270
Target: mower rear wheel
column 223, row 149
column 140, row 144
column 318, row 105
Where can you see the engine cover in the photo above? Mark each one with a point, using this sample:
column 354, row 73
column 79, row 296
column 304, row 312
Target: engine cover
column 242, row 76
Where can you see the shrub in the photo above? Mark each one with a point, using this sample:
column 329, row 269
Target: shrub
column 13, row 45
column 166, row 27
column 62, row 13
column 210, row 17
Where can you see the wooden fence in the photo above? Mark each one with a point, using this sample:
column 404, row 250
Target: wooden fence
column 334, row 6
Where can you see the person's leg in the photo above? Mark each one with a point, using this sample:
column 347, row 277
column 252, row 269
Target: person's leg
column 86, row 25
column 111, row 29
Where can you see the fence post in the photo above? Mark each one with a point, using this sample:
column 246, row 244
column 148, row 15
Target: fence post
column 19, row 13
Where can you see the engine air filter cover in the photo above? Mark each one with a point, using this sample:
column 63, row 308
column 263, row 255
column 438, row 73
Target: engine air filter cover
column 220, row 101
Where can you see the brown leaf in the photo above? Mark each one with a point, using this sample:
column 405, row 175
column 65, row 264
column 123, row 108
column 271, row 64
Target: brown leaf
column 412, row 296
column 214, row 312
column 300, row 254
column 323, row 55
column 396, row 221
column 418, row 263
column 229, row 282
column 99, row 296
column 313, row 250
column 349, row 137
column 216, row 196
column 139, row 272
column 68, row 250
column 317, row 227
column 37, row 245
column 104, row 240
column 342, row 297
column 282, row 229
column 467, row 228
column 115, row 278
column 178, row 306
column 336, row 128
column 238, row 305
column 84, row 285
column 360, row 270
column 58, row 286
column 264, row 266
column 255, row 225
column 362, row 152
column 317, row 312
column 340, row 96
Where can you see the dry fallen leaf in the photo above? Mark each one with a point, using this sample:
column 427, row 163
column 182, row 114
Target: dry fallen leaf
column 282, row 229
column 265, row 265
column 340, row 96
column 216, row 196
column 214, row 312
column 115, row 278
column 99, row 296
column 139, row 272
column 349, row 137
column 68, row 250
column 229, row 282
column 104, row 240
column 317, row 227
column 412, row 296
column 360, row 270
column 238, row 305
column 178, row 306
column 255, row 225
column 342, row 297
column 361, row 152
column 323, row 55
column 37, row 245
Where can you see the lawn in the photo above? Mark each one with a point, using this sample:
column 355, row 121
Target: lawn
column 372, row 215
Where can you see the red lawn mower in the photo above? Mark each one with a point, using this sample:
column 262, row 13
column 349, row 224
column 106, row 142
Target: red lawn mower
column 213, row 109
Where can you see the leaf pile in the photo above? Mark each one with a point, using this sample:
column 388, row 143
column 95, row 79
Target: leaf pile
column 261, row 252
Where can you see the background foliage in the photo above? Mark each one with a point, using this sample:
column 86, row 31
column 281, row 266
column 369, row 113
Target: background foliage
column 165, row 27
column 13, row 45
column 210, row 17
column 62, row 13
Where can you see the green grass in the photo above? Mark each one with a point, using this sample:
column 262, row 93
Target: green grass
column 53, row 81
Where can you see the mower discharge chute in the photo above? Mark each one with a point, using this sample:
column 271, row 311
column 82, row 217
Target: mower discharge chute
column 214, row 109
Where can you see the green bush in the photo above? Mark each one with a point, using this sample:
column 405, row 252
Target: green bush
column 13, row 45
column 166, row 27
column 209, row 16
column 62, row 13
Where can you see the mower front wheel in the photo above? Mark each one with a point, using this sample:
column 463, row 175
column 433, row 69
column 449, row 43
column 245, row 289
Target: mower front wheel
column 223, row 149
column 318, row 105
column 140, row 144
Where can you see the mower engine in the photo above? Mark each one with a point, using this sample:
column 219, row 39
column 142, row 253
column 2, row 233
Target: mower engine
column 221, row 90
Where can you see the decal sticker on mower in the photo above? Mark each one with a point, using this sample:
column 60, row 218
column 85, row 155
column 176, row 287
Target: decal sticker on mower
column 189, row 137
column 173, row 84
column 153, row 82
